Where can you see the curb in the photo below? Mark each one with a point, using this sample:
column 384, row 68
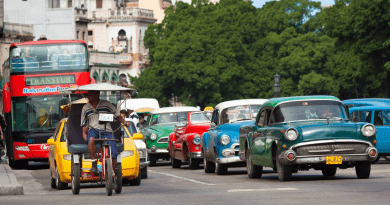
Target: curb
column 14, row 188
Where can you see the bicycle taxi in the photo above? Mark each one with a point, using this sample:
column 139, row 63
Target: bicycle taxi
column 78, row 147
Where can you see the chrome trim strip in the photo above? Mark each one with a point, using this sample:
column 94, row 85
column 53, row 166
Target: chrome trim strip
column 227, row 160
column 158, row 151
column 316, row 151
column 342, row 150
column 329, row 141
column 309, row 156
column 194, row 154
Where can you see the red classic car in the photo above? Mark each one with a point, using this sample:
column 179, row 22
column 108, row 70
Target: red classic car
column 184, row 141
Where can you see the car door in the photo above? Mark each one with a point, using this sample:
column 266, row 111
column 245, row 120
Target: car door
column 52, row 148
column 382, row 125
column 213, row 134
column 258, row 144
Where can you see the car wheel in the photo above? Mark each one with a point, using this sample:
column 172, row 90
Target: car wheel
column 59, row 184
column 144, row 173
column 53, row 181
column 152, row 160
column 221, row 168
column 363, row 170
column 254, row 171
column 209, row 167
column 284, row 171
column 377, row 159
column 136, row 181
column 194, row 163
column 175, row 163
column 329, row 171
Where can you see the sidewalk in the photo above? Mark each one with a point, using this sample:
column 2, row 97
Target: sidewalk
column 9, row 185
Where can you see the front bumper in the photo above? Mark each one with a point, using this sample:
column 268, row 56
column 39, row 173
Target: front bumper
column 158, row 151
column 194, row 154
column 228, row 160
column 316, row 152
column 143, row 163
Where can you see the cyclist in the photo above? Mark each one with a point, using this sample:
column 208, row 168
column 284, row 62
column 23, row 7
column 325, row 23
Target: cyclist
column 91, row 125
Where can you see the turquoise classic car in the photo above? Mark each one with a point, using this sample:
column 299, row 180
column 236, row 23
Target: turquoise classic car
column 159, row 125
column 302, row 133
column 220, row 144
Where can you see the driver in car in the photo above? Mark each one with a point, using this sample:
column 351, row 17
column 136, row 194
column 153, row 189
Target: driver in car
column 92, row 127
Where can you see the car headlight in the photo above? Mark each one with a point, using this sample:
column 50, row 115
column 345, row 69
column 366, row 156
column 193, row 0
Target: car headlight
column 127, row 153
column 153, row 136
column 196, row 139
column 67, row 157
column 368, row 130
column 224, row 140
column 291, row 134
column 142, row 153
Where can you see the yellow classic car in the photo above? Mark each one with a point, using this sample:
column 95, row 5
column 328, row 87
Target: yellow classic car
column 60, row 159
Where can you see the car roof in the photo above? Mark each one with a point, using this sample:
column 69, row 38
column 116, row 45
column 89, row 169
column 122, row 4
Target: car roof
column 137, row 103
column 368, row 102
column 231, row 103
column 275, row 101
column 174, row 109
column 370, row 108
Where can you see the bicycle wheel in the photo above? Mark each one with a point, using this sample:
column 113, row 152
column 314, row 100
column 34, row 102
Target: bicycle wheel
column 118, row 178
column 75, row 179
column 109, row 178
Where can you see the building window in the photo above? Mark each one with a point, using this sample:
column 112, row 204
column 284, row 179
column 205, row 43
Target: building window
column 69, row 3
column 83, row 36
column 99, row 4
column 78, row 35
column 54, row 4
column 90, row 33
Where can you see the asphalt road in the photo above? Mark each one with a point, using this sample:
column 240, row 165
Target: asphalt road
column 184, row 186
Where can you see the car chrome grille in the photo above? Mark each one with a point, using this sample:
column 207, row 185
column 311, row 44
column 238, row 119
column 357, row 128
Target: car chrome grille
column 236, row 148
column 163, row 140
column 337, row 148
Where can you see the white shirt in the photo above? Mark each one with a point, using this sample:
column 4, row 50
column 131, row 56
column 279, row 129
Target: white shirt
column 90, row 116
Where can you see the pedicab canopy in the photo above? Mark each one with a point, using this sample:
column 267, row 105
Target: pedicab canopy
column 74, row 133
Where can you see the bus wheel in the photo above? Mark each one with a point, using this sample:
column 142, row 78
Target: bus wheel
column 18, row 164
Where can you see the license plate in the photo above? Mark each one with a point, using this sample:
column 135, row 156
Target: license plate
column 106, row 117
column 334, row 159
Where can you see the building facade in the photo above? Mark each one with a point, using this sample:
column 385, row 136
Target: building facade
column 56, row 19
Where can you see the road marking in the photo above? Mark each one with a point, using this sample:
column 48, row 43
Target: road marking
column 171, row 175
column 276, row 189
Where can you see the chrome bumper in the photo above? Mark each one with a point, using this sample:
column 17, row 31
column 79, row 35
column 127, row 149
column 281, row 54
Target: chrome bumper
column 158, row 151
column 328, row 148
column 227, row 160
column 143, row 164
column 194, row 154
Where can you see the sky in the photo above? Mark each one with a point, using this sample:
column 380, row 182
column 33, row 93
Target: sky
column 260, row 3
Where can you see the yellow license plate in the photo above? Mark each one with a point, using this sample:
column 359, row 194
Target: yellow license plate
column 334, row 159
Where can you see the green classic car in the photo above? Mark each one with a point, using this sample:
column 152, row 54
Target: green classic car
column 159, row 125
column 302, row 133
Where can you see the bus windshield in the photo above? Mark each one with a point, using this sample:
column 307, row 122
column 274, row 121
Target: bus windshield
column 37, row 113
column 48, row 57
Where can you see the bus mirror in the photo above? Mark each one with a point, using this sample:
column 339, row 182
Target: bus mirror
column 50, row 141
column 137, row 136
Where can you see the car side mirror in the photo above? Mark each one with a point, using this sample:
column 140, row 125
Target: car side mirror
column 137, row 136
column 51, row 141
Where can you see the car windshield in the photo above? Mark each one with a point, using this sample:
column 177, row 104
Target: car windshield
column 208, row 114
column 199, row 117
column 242, row 112
column 168, row 118
column 48, row 57
column 308, row 110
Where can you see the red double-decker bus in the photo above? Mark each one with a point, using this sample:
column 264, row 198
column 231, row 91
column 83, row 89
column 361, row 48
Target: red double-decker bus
column 37, row 71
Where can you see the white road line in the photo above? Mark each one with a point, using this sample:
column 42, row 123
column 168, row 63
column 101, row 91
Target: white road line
column 171, row 175
column 276, row 189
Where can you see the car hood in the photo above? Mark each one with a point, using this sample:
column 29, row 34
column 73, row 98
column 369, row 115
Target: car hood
column 323, row 130
column 162, row 129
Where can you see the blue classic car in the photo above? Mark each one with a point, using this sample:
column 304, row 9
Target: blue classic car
column 377, row 112
column 220, row 144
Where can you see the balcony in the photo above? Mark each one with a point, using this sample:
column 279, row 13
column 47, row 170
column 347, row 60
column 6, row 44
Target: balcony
column 133, row 13
column 18, row 30
column 81, row 14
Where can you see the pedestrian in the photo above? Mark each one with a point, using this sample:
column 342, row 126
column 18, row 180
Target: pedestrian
column 3, row 125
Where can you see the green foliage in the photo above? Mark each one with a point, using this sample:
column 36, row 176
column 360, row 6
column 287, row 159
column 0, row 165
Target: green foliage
column 206, row 53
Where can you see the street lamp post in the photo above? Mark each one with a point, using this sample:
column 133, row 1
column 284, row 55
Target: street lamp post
column 277, row 85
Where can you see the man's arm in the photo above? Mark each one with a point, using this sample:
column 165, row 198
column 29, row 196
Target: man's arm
column 85, row 133
column 121, row 120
